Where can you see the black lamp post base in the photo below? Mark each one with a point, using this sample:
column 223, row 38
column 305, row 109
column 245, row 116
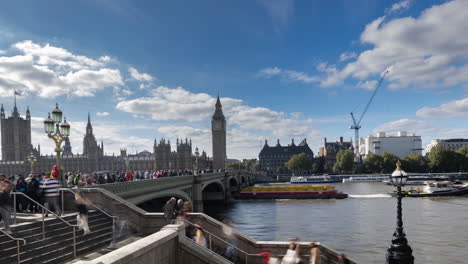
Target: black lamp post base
column 399, row 252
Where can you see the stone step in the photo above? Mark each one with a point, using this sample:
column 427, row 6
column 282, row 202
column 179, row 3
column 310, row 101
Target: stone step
column 58, row 245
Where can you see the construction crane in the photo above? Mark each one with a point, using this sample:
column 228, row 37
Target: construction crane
column 357, row 124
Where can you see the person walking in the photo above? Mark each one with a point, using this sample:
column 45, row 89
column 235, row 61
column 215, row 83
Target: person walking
column 21, row 201
column 5, row 202
column 31, row 191
column 200, row 236
column 169, row 210
column 50, row 189
column 82, row 217
column 314, row 253
column 292, row 254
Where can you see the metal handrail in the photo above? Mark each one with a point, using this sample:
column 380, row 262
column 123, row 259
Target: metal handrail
column 43, row 220
column 17, row 244
column 99, row 209
column 211, row 234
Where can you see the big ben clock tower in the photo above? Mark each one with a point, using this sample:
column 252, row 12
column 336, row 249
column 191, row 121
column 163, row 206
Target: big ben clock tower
column 218, row 131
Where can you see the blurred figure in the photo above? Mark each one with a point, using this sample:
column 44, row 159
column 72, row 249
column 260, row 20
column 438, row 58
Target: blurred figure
column 82, row 217
column 228, row 230
column 31, row 191
column 200, row 236
column 169, row 210
column 343, row 259
column 5, row 202
column 21, row 201
column 314, row 253
column 292, row 255
column 50, row 188
column 265, row 254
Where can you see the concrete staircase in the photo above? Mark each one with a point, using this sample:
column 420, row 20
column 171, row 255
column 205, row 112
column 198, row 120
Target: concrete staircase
column 57, row 247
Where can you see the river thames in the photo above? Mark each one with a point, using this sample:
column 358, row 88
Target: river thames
column 362, row 225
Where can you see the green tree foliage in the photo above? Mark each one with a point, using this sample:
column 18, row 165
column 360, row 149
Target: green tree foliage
column 389, row 162
column 442, row 159
column 463, row 152
column 299, row 162
column 344, row 161
column 373, row 163
column 415, row 163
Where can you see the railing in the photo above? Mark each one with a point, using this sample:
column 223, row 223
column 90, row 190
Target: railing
column 18, row 259
column 43, row 218
column 248, row 256
column 99, row 209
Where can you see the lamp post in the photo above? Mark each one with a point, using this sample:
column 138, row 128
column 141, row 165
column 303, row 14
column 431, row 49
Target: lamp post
column 197, row 155
column 58, row 132
column 399, row 251
column 32, row 161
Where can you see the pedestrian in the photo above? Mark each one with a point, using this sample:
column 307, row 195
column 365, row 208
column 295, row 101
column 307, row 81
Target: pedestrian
column 200, row 236
column 82, row 217
column 50, row 189
column 265, row 254
column 314, row 253
column 31, row 191
column 343, row 259
column 292, row 255
column 228, row 231
column 21, row 201
column 5, row 202
column 169, row 210
column 179, row 207
column 69, row 180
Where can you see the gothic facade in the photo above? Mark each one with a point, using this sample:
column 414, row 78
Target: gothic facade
column 218, row 131
column 16, row 147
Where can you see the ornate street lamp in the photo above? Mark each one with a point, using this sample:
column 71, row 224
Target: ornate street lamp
column 58, row 132
column 399, row 251
column 197, row 155
column 32, row 161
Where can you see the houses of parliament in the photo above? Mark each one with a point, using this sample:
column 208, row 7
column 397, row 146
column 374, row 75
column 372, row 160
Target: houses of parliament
column 17, row 150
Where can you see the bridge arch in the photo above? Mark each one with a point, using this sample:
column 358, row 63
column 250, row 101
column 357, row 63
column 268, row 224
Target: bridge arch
column 213, row 191
column 234, row 184
column 154, row 202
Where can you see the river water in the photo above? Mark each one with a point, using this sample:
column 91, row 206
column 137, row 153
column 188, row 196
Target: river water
column 362, row 225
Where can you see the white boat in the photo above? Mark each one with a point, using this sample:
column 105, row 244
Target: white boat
column 313, row 179
column 371, row 178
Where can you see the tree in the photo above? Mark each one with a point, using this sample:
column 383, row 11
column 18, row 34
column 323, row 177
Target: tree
column 344, row 161
column 442, row 159
column 415, row 163
column 373, row 163
column 389, row 161
column 463, row 151
column 299, row 162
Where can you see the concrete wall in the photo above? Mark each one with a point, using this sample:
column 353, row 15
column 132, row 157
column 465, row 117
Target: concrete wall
column 148, row 223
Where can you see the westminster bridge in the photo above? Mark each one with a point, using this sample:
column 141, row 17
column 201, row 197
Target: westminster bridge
column 153, row 193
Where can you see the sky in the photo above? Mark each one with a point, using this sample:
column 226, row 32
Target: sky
column 284, row 69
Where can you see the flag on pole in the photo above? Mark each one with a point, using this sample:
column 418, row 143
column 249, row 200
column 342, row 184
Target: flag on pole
column 17, row 93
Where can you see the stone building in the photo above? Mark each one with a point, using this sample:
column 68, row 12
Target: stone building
column 218, row 130
column 16, row 147
column 330, row 149
column 452, row 144
column 272, row 159
column 16, row 135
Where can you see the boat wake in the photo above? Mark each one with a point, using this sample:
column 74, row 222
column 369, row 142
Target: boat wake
column 381, row 195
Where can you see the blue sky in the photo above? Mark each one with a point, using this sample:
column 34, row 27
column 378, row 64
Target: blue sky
column 284, row 69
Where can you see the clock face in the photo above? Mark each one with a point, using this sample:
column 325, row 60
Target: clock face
column 217, row 125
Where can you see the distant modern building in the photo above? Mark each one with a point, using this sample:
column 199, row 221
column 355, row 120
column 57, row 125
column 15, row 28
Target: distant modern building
column 400, row 144
column 273, row 159
column 330, row 149
column 218, row 131
column 452, row 144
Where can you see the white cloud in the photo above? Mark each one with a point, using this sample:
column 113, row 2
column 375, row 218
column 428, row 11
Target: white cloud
column 367, row 85
column 49, row 71
column 426, row 51
column 269, row 72
column 403, row 5
column 287, row 75
column 452, row 109
column 348, row 55
column 2, row 52
column 102, row 113
column 280, row 11
column 140, row 76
